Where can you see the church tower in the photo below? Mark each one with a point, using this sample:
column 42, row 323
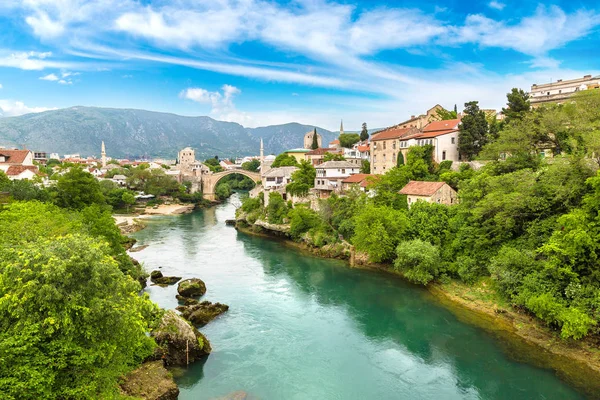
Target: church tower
column 103, row 155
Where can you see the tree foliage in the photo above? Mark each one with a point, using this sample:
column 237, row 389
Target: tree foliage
column 364, row 133
column 252, row 166
column 348, row 140
column 517, row 105
column 473, row 131
column 315, row 140
column 302, row 180
column 419, row 261
column 284, row 160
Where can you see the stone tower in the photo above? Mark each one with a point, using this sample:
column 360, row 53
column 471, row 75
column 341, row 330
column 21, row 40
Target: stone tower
column 341, row 127
column 103, row 155
column 308, row 139
column 186, row 159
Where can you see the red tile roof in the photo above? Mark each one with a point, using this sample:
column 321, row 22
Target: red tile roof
column 14, row 156
column 320, row 151
column 336, row 141
column 15, row 170
column 446, row 125
column 422, row 188
column 433, row 134
column 392, row 133
column 363, row 148
column 358, row 178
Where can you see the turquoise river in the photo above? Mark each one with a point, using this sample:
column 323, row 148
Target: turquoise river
column 301, row 327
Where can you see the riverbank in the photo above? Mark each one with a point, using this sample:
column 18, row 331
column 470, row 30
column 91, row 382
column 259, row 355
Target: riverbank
column 525, row 337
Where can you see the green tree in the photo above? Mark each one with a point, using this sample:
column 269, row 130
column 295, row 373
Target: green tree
column 78, row 189
column 442, row 114
column 302, row 180
column 71, row 323
column 213, row 164
column 284, row 160
column 4, row 180
column 365, row 167
column 473, row 131
column 252, row 166
column 364, row 133
column 128, row 198
column 348, row 140
column 333, row 157
column 315, row 140
column 276, row 209
column 378, row 230
column 517, row 106
column 400, row 160
column 419, row 261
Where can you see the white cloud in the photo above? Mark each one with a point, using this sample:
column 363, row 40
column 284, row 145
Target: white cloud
column 1, row 86
column 65, row 82
column 49, row 77
column 497, row 5
column 31, row 60
column 549, row 28
column 222, row 106
column 12, row 108
column 44, row 26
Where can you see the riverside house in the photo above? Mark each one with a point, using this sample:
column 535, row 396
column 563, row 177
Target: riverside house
column 330, row 176
column 431, row 192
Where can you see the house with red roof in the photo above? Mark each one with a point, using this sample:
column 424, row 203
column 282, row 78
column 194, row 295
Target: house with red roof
column 385, row 146
column 357, row 180
column 443, row 136
column 18, row 164
column 431, row 192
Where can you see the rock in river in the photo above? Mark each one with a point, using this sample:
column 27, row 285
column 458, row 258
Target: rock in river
column 202, row 313
column 157, row 277
column 193, row 287
column 179, row 343
column 151, row 381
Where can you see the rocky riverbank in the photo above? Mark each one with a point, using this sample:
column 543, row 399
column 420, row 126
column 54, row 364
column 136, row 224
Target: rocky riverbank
column 524, row 336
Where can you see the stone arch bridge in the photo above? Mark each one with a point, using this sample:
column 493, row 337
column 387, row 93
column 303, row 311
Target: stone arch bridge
column 210, row 181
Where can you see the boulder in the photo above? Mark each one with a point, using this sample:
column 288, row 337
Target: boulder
column 202, row 313
column 188, row 301
column 193, row 287
column 151, row 381
column 179, row 343
column 157, row 277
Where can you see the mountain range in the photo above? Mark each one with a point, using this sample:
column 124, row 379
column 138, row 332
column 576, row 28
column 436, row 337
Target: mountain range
column 129, row 133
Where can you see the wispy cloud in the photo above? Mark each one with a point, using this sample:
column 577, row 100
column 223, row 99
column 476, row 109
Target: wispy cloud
column 496, row 5
column 49, row 77
column 221, row 102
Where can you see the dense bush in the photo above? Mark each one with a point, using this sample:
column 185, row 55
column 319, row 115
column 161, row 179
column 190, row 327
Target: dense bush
column 277, row 208
column 419, row 261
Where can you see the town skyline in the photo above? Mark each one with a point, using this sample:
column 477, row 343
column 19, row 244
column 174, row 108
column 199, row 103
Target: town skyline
column 262, row 63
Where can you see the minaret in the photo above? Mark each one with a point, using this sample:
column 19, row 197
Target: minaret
column 342, row 127
column 103, row 155
column 262, row 156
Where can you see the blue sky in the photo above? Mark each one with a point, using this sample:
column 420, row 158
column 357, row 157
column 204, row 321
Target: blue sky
column 260, row 62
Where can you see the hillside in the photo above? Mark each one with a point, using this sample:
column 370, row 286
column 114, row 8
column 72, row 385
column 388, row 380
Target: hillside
column 130, row 133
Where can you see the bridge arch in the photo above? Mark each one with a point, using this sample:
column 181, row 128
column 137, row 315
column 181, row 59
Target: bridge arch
column 210, row 181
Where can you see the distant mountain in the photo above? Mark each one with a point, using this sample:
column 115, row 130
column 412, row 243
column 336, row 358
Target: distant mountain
column 131, row 133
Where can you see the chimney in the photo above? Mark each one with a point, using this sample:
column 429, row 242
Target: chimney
column 587, row 76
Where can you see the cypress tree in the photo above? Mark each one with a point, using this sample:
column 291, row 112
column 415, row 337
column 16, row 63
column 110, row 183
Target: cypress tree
column 364, row 134
column 315, row 141
column 400, row 160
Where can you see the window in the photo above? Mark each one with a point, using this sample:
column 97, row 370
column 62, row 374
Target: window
column 384, row 145
column 343, row 171
column 452, row 140
column 443, row 155
column 394, row 145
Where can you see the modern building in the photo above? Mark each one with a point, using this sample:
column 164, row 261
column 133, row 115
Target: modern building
column 330, row 176
column 431, row 192
column 561, row 90
column 308, row 140
column 385, row 147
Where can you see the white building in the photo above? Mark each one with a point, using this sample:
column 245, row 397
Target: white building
column 559, row 91
column 443, row 136
column 120, row 180
column 276, row 178
column 331, row 174
column 18, row 164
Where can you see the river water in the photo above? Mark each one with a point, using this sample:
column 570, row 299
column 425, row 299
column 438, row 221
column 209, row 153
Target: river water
column 301, row 327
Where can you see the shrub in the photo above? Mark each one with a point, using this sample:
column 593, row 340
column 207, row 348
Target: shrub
column 277, row 209
column 419, row 261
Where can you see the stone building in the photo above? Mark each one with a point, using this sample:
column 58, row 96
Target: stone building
column 431, row 192
column 308, row 140
column 385, row 147
column 559, row 91
column 331, row 174
column 420, row 121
